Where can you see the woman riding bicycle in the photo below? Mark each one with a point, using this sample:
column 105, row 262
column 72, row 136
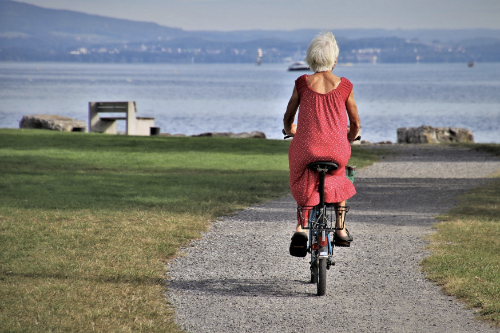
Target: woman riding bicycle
column 326, row 102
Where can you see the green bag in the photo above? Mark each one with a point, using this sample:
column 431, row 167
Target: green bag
column 350, row 171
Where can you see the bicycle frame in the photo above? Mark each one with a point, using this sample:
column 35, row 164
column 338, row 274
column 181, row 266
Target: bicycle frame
column 322, row 224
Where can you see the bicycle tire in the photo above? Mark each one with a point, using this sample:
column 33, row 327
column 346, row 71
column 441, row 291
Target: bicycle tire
column 322, row 277
column 314, row 273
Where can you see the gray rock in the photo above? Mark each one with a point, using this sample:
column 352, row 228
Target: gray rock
column 429, row 134
column 254, row 134
column 178, row 135
column 53, row 122
column 214, row 134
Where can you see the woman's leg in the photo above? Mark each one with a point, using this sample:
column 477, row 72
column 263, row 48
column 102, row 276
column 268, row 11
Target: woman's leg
column 301, row 221
column 340, row 213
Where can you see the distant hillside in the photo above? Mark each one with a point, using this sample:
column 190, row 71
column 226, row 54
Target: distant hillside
column 25, row 20
column 305, row 35
column 32, row 33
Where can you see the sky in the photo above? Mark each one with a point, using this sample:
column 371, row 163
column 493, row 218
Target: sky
column 226, row 15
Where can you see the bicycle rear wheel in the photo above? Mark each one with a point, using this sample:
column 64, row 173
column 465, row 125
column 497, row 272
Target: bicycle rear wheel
column 314, row 272
column 322, row 277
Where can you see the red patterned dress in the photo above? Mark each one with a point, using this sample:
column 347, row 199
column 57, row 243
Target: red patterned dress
column 321, row 136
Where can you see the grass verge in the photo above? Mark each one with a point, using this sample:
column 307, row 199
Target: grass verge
column 87, row 222
column 466, row 248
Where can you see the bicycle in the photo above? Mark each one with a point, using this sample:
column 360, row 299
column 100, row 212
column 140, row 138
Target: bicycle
column 322, row 224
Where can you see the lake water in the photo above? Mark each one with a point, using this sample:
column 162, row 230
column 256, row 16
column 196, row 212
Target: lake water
column 196, row 98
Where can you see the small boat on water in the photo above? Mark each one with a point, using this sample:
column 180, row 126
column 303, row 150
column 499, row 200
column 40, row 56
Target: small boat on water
column 299, row 66
column 471, row 63
column 259, row 56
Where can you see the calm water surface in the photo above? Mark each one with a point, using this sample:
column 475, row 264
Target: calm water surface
column 192, row 99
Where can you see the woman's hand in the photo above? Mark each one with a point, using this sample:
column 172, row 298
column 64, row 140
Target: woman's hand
column 291, row 133
column 352, row 137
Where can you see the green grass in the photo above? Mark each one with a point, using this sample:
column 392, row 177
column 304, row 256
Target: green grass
column 87, row 222
column 466, row 248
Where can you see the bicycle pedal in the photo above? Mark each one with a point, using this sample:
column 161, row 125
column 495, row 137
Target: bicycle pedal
column 342, row 244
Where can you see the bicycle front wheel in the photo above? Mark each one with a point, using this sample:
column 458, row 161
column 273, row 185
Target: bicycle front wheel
column 322, row 276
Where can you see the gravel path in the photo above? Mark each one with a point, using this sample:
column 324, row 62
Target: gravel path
column 240, row 278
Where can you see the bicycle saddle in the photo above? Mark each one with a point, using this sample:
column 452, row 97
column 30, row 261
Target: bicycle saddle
column 325, row 165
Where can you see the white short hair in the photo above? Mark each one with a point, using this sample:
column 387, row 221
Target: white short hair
column 322, row 52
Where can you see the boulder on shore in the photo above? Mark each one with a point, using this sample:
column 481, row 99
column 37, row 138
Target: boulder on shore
column 53, row 122
column 429, row 134
column 255, row 134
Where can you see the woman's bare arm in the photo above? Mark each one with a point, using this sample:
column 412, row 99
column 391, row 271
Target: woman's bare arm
column 354, row 121
column 291, row 111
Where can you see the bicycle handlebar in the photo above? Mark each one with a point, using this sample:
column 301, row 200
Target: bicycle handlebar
column 285, row 136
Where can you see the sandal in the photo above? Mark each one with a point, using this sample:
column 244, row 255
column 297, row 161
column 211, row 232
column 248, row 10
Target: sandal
column 298, row 246
column 343, row 241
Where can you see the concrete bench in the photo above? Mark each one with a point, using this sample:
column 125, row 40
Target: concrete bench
column 107, row 124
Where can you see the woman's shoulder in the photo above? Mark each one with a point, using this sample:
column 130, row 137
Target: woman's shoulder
column 301, row 82
column 345, row 87
column 302, row 78
column 346, row 81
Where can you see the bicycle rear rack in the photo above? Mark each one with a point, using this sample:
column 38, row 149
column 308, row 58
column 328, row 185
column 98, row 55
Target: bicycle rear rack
column 311, row 216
